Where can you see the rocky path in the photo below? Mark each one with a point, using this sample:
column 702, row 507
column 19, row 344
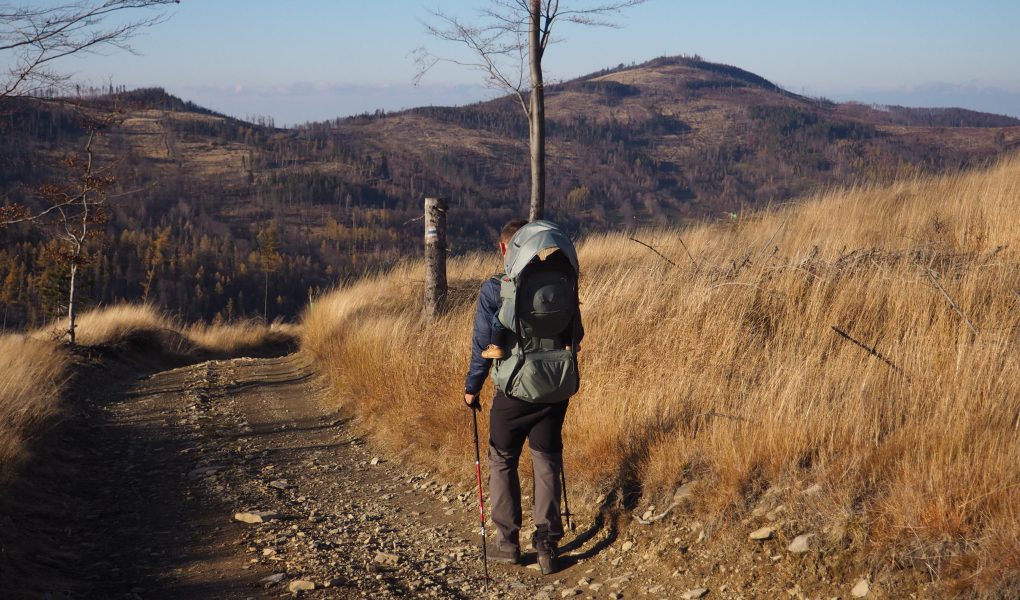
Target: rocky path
column 238, row 479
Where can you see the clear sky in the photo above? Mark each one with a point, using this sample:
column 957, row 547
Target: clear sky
column 299, row 60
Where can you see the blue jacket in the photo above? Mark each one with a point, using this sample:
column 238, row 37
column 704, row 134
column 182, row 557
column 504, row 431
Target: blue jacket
column 488, row 305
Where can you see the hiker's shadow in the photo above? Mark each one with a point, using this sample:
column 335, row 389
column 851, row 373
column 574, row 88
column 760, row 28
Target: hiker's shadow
column 569, row 555
column 606, row 518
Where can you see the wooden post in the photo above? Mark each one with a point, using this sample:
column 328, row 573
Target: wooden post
column 435, row 257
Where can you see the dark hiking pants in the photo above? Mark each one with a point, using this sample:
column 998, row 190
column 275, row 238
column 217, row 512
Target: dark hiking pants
column 510, row 422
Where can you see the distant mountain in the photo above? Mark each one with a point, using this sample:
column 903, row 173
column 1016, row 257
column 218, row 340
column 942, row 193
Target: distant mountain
column 659, row 143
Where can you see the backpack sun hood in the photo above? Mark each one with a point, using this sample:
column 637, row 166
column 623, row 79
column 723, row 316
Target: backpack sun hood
column 532, row 239
column 543, row 374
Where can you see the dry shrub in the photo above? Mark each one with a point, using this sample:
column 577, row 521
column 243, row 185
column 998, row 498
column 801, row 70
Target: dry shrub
column 32, row 374
column 726, row 368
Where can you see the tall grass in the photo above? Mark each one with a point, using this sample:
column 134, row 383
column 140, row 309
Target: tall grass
column 32, row 374
column 726, row 368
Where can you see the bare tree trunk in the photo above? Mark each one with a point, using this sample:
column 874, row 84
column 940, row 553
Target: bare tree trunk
column 72, row 314
column 536, row 116
column 265, row 301
column 435, row 257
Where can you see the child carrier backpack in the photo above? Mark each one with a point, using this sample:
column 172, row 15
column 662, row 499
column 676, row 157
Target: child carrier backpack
column 540, row 310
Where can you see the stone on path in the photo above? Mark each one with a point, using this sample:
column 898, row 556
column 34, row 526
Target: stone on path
column 569, row 593
column 801, row 543
column 280, row 484
column 861, row 589
column 627, row 545
column 765, row 533
column 274, row 578
column 257, row 516
column 386, row 559
column 695, row 594
column 301, row 585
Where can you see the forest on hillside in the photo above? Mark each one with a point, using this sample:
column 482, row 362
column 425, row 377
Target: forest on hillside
column 216, row 218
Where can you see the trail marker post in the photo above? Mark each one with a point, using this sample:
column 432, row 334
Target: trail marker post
column 435, row 257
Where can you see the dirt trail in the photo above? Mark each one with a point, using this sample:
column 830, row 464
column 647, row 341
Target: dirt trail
column 165, row 461
column 137, row 494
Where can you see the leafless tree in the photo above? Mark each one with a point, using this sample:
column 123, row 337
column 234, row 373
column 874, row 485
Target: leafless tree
column 32, row 38
column 74, row 211
column 507, row 41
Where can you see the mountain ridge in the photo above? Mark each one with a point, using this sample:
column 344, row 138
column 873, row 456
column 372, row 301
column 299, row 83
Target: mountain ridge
column 664, row 143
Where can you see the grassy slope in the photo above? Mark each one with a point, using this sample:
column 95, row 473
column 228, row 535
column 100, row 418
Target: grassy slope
column 730, row 373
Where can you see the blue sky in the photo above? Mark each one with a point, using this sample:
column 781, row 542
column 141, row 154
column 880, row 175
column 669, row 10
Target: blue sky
column 317, row 59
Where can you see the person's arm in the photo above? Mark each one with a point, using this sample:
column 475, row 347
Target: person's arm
column 578, row 330
column 478, row 369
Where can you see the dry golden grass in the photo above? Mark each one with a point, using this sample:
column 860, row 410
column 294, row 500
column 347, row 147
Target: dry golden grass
column 731, row 373
column 242, row 336
column 117, row 324
column 32, row 374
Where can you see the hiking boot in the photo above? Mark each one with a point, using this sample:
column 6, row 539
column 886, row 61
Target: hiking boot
column 493, row 351
column 548, row 557
column 506, row 554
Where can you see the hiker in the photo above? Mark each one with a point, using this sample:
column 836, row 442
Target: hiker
column 535, row 301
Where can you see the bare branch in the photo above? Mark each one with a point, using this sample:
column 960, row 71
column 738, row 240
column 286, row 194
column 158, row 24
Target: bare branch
column 507, row 42
column 31, row 38
column 498, row 40
column 652, row 248
column 872, row 350
column 952, row 303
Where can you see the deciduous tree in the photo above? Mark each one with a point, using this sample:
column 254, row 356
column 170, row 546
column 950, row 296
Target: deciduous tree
column 74, row 213
column 508, row 42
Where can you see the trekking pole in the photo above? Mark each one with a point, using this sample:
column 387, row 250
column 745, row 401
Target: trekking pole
column 566, row 506
column 481, row 499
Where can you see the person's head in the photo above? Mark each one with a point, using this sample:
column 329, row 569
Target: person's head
column 507, row 233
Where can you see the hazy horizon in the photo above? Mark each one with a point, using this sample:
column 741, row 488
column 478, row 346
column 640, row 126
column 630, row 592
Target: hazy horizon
column 306, row 98
column 320, row 60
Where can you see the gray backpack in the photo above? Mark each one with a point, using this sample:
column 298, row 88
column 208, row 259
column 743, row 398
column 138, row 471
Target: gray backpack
column 540, row 309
